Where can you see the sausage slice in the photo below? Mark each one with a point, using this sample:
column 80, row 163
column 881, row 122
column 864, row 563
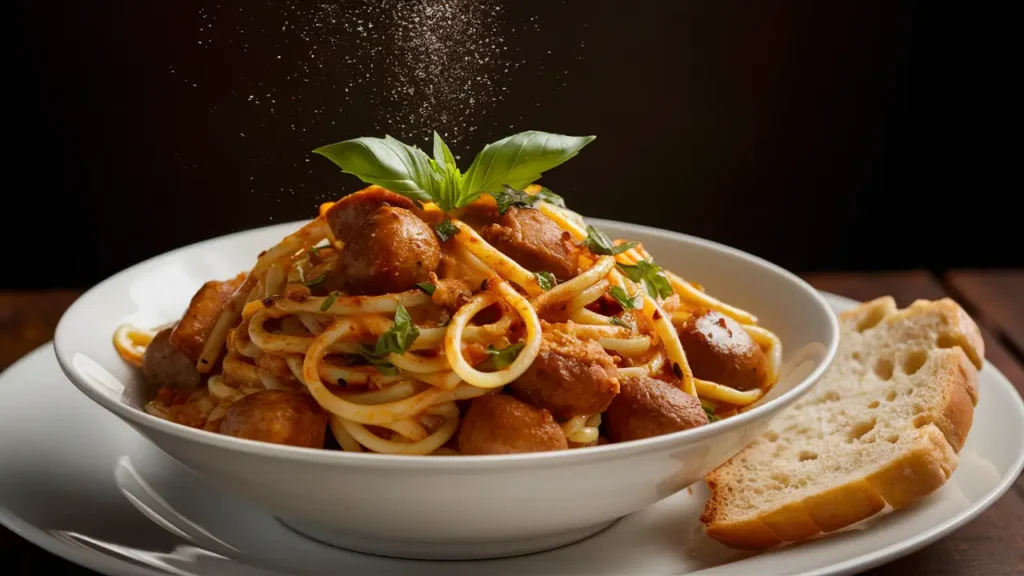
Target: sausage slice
column 569, row 377
column 391, row 251
column 501, row 424
column 191, row 332
column 720, row 350
column 646, row 407
column 535, row 241
column 345, row 216
column 277, row 416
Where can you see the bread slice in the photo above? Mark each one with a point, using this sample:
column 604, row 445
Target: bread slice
column 879, row 431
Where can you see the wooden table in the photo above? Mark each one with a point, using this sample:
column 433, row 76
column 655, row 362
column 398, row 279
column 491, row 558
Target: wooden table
column 991, row 545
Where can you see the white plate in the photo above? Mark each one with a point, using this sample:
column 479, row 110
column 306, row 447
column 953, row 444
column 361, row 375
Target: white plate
column 82, row 484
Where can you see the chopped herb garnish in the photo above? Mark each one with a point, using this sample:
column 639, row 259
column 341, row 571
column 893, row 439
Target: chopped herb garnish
column 546, row 280
column 710, row 413
column 625, row 300
column 396, row 340
column 510, row 197
column 318, row 280
column 446, row 229
column 400, row 336
column 599, row 243
column 329, row 301
column 620, row 322
column 502, row 358
column 426, row 287
column 380, row 362
column 649, row 274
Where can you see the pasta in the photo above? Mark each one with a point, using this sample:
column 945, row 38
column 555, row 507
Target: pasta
column 384, row 322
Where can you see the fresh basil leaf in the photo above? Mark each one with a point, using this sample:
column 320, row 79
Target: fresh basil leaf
column 546, row 280
column 386, row 162
column 442, row 155
column 550, row 197
column 599, row 243
column 318, row 280
column 620, row 322
column 450, row 179
column 625, row 300
column 445, row 229
column 377, row 361
column 329, row 301
column 510, row 197
column 656, row 284
column 426, row 287
column 502, row 358
column 399, row 337
column 517, row 160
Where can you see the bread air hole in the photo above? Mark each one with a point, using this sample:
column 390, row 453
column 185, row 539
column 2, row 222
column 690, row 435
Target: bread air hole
column 858, row 430
column 914, row 360
column 883, row 368
column 946, row 340
column 874, row 404
column 892, row 438
column 806, row 455
column 871, row 318
column 921, row 420
column 891, row 395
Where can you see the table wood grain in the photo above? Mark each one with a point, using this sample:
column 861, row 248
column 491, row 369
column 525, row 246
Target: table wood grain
column 991, row 545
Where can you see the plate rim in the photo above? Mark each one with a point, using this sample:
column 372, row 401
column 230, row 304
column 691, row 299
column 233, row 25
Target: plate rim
column 107, row 564
column 384, row 461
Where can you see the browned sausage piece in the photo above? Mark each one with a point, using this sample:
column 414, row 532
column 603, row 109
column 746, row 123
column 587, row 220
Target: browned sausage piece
column 500, row 424
column 195, row 326
column 569, row 377
column 277, row 416
column 720, row 350
column 164, row 366
column 345, row 216
column 646, row 407
column 535, row 241
column 391, row 251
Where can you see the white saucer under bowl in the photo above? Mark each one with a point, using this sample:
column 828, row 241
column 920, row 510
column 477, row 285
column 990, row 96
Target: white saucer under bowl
column 84, row 485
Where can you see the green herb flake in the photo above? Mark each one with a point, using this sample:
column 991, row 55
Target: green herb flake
column 710, row 413
column 399, row 337
column 599, row 243
column 656, row 284
column 504, row 357
column 426, row 287
column 546, row 280
column 510, row 197
column 625, row 300
column 620, row 322
column 329, row 301
column 446, row 229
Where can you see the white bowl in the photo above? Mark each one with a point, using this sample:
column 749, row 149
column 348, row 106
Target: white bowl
column 444, row 507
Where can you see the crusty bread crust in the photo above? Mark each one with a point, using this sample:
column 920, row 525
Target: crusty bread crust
column 939, row 434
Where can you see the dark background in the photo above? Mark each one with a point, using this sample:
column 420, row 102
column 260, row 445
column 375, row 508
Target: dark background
column 819, row 135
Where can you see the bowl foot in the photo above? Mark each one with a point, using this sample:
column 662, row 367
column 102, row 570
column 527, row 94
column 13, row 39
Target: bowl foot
column 421, row 550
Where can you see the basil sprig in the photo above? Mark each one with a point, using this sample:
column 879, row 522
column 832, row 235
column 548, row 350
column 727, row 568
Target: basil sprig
column 516, row 161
